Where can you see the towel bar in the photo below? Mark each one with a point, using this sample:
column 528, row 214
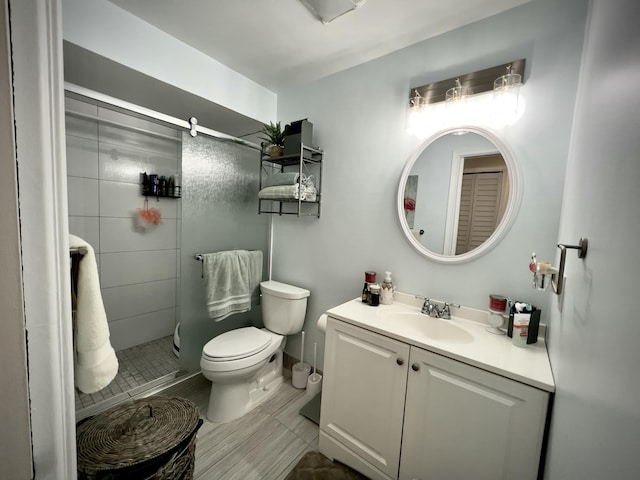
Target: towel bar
column 77, row 250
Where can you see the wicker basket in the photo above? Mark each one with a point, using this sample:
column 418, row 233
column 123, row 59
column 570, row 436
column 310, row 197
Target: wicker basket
column 151, row 438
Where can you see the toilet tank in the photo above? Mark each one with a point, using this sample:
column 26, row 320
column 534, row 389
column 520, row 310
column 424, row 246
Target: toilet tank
column 283, row 307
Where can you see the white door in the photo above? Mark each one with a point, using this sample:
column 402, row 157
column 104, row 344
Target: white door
column 462, row 422
column 363, row 393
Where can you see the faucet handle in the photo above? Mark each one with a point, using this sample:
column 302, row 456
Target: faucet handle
column 446, row 311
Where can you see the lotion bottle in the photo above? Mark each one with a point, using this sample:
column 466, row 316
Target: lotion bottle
column 386, row 290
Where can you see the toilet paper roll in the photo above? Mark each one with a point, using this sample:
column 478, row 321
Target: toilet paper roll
column 299, row 374
column 322, row 323
column 314, row 384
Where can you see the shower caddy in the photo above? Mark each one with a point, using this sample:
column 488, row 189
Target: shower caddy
column 309, row 162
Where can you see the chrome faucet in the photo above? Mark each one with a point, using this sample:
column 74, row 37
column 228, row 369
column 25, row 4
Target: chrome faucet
column 446, row 311
column 432, row 309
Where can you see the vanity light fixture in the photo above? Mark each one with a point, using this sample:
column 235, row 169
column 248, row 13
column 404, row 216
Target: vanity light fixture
column 506, row 92
column 508, row 81
column 469, row 99
column 328, row 10
column 469, row 84
column 457, row 94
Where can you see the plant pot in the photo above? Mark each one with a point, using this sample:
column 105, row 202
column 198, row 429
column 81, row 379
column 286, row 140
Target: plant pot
column 276, row 151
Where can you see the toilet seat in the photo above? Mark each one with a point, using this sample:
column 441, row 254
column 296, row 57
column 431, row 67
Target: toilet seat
column 236, row 344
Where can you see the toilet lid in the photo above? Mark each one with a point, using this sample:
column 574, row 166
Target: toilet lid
column 236, row 344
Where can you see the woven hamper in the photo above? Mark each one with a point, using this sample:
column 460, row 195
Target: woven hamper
column 150, row 438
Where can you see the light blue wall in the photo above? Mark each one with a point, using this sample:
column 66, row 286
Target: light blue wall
column 595, row 329
column 359, row 118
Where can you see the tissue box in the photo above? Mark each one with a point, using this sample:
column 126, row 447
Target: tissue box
column 534, row 325
column 295, row 134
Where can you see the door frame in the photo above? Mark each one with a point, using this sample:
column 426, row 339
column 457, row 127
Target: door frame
column 36, row 40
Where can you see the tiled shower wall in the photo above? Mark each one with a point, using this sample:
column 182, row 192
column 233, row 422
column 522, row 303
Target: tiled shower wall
column 139, row 270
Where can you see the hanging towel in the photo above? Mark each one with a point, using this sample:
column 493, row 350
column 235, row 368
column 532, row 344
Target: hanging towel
column 232, row 282
column 96, row 364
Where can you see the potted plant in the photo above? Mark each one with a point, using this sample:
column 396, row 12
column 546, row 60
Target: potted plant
column 274, row 136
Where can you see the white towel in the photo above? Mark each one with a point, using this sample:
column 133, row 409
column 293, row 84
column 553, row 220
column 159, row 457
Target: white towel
column 232, row 282
column 289, row 192
column 96, row 364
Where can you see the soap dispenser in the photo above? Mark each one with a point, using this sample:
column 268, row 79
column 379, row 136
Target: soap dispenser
column 386, row 290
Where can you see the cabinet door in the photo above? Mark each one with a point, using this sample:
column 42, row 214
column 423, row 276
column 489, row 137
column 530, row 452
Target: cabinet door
column 463, row 422
column 363, row 393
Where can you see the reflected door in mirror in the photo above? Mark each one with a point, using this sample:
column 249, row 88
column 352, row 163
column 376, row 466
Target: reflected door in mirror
column 482, row 200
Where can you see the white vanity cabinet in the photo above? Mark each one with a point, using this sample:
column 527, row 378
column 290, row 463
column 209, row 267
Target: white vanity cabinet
column 363, row 396
column 464, row 422
column 392, row 410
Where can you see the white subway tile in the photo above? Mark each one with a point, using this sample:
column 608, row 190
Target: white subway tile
column 137, row 267
column 124, row 199
column 78, row 126
column 121, row 235
column 82, row 157
column 131, row 300
column 132, row 331
column 82, row 196
column 124, row 164
column 87, row 228
column 121, row 136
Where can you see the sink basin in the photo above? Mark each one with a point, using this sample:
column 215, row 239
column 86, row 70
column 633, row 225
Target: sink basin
column 421, row 325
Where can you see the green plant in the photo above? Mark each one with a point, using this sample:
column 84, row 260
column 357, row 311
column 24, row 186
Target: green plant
column 273, row 134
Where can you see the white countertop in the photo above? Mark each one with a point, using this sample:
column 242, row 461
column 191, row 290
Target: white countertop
column 494, row 353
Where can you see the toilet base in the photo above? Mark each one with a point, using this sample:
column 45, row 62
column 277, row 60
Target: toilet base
column 230, row 401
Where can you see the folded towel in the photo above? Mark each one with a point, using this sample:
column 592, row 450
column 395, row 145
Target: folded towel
column 289, row 192
column 96, row 364
column 284, row 178
column 232, row 282
column 287, row 178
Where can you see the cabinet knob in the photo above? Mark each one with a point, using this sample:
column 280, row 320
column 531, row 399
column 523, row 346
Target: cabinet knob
column 399, row 361
column 415, row 367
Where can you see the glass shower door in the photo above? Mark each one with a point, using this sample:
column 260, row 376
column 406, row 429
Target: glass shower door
column 220, row 182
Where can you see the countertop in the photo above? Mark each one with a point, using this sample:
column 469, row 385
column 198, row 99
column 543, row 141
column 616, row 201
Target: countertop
column 495, row 353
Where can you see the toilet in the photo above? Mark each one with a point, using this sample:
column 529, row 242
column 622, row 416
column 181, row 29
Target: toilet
column 245, row 364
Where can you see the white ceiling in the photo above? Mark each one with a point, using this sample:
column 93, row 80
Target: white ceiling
column 277, row 43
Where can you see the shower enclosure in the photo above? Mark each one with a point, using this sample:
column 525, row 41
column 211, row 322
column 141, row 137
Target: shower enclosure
column 149, row 278
column 219, row 212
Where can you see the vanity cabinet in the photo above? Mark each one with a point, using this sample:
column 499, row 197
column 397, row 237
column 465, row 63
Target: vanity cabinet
column 363, row 394
column 305, row 201
column 392, row 410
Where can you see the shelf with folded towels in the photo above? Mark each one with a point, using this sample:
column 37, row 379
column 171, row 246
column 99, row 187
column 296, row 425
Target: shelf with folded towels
column 291, row 184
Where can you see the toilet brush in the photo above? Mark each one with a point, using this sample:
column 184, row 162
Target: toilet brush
column 314, row 382
column 300, row 371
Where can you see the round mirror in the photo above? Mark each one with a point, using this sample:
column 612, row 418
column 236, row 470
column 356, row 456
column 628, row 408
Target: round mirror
column 459, row 194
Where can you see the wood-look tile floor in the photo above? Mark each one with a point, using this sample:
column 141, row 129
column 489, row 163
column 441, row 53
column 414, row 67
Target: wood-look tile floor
column 265, row 444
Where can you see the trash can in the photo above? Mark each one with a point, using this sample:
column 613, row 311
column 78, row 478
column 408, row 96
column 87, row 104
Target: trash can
column 150, row 438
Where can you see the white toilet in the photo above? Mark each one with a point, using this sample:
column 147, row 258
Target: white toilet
column 245, row 364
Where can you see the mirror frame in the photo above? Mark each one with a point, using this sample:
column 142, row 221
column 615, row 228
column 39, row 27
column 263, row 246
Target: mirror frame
column 513, row 203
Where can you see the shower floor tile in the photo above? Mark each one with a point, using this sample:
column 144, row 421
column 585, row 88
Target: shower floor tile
column 138, row 366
